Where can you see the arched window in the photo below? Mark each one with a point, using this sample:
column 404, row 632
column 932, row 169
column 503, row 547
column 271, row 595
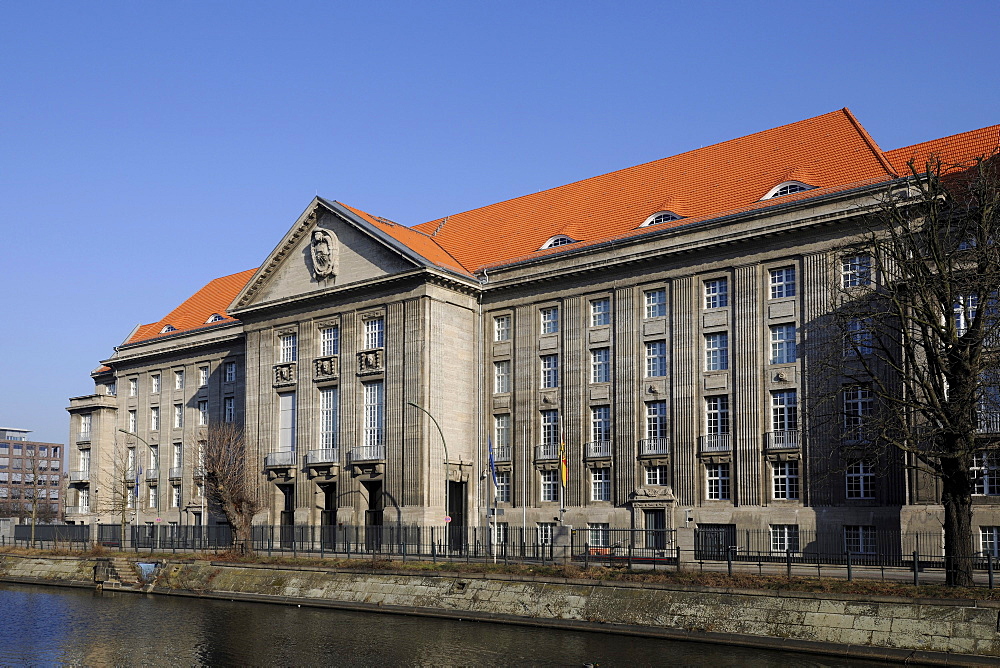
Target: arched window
column 215, row 317
column 661, row 217
column 168, row 328
column 558, row 240
column 787, row 188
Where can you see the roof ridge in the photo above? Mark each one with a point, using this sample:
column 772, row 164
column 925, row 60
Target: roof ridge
column 872, row 144
column 946, row 138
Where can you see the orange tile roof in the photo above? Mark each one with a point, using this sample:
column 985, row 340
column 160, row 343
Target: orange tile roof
column 196, row 309
column 957, row 149
column 826, row 151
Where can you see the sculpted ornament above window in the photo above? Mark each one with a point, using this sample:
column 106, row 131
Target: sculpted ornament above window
column 325, row 252
column 370, row 361
column 326, row 368
column 284, row 374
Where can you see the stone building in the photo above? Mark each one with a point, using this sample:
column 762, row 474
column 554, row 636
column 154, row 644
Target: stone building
column 30, row 471
column 643, row 326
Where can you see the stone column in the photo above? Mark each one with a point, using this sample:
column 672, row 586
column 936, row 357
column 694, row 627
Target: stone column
column 745, row 360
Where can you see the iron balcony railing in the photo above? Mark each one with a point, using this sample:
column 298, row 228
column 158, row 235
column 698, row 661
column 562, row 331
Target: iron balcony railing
column 284, row 458
column 714, row 443
column 654, row 446
column 79, row 476
column 501, row 453
column 77, row 510
column 176, row 472
column 83, row 436
column 783, row 440
column 152, row 474
column 596, row 449
column 547, row 451
column 367, row 453
column 322, row 456
column 988, row 423
column 198, row 472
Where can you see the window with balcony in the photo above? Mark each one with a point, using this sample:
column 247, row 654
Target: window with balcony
column 550, row 485
column 154, row 498
column 550, row 319
column 501, row 328
column 656, row 303
column 328, row 417
column 717, row 487
column 550, row 371
column 329, row 341
column 986, row 473
column 550, row 433
column 286, row 422
column 375, row 333
column 503, row 487
column 860, row 480
column 783, row 344
column 656, row 420
column 858, row 337
column 288, row 345
column 782, row 282
column 600, row 312
column 784, row 411
column 600, row 484
column 501, row 436
column 374, row 413
column 600, row 423
column 785, row 480
column 717, row 351
column 600, row 365
column 501, row 377
column 656, row 359
column 717, row 415
column 856, row 271
column 716, row 293
column 658, row 475
column 86, row 422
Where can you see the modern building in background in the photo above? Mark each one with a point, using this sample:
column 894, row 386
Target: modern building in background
column 31, row 473
column 644, row 326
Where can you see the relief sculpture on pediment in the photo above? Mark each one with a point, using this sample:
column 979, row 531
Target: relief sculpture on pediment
column 325, row 252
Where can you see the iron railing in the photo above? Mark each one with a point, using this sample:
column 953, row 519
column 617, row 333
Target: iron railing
column 323, row 456
column 152, row 474
column 501, row 453
column 597, row 449
column 176, row 472
column 367, row 453
column 284, row 458
column 654, row 446
column 79, row 476
column 783, row 440
column 547, row 451
column 714, row 443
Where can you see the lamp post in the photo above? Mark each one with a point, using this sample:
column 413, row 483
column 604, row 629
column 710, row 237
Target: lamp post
column 447, row 470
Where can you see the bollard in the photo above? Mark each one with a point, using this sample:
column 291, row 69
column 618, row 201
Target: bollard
column 788, row 563
column 586, row 556
column 677, row 550
column 989, row 568
column 850, row 571
column 916, row 568
column 729, row 560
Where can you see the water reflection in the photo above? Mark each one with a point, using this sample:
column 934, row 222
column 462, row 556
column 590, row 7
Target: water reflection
column 57, row 626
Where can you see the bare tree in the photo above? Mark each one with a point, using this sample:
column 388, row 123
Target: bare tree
column 230, row 483
column 917, row 364
column 121, row 476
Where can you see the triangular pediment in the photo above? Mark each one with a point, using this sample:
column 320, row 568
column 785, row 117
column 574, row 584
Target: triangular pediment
column 327, row 247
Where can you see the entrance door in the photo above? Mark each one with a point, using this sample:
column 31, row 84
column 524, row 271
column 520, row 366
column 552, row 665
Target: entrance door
column 456, row 510
column 712, row 541
column 287, row 516
column 328, row 516
column 374, row 514
column 656, row 528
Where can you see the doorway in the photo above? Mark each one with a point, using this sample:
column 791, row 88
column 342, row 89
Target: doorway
column 456, row 510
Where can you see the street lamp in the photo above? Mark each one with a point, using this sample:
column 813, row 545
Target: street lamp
column 447, row 470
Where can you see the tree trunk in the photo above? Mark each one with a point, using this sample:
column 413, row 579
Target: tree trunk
column 956, row 496
column 242, row 531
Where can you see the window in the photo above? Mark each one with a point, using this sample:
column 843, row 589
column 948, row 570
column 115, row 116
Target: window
column 550, row 485
column 600, row 365
column 199, row 489
column 783, row 344
column 503, row 487
column 215, row 317
column 782, row 282
column 289, row 348
column 86, row 421
column 784, row 537
column 656, row 419
column 286, row 422
column 329, row 341
column 112, row 388
column 328, row 407
column 785, row 479
column 965, row 313
column 857, row 409
column 84, row 460
column 501, row 434
column 718, row 481
column 656, row 303
column 133, row 387
column 131, row 422
column 600, row 423
column 598, row 534
column 178, row 416
column 500, row 533
column 859, row 539
column 784, row 410
column 661, row 217
column 545, row 532
column 858, row 338
column 230, row 372
column 856, row 271
column 717, row 351
column 716, row 293
column 154, row 418
column 501, row 328
column 989, row 541
column 550, row 428
column 600, row 312
column 154, row 498
column 550, row 320
column 202, row 376
column 501, row 377
column 860, row 480
column 558, row 240
column 375, row 333
column 600, row 484
column 229, row 409
column 202, row 413
column 374, row 413
column 550, row 371
column 175, row 496
column 717, row 414
column 179, row 379
column 656, row 359
column 130, row 460
column 154, row 383
column 986, row 473
column 787, row 188
column 658, row 475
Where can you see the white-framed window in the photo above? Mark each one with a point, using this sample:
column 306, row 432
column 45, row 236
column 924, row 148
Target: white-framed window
column 550, row 319
column 501, row 328
column 86, row 423
column 501, row 376
column 558, row 240
column 784, row 537
column 656, row 303
column 545, row 532
column 179, row 379
column 328, row 417
column 599, row 534
column 375, row 333
column 782, row 282
column 229, row 409
column 600, row 484
column 600, row 312
column 550, row 371
column 858, row 337
column 660, row 218
column 133, row 387
column 787, row 188
column 154, row 456
column 329, row 341
column 858, row 405
column 600, row 423
column 111, row 388
column 783, row 344
column 717, row 351
column 717, row 414
column 989, row 541
column 716, row 293
column 84, row 459
column 289, row 348
column 656, row 419
column 550, row 485
column 154, row 383
column 374, row 412
column 859, row 539
column 784, row 410
column 503, row 487
column 658, row 475
column 202, row 376
column 600, row 365
column 856, row 271
column 132, row 421
column 860, row 480
column 717, row 475
column 986, row 473
column 501, row 430
column 550, row 427
column 965, row 312
column 199, row 490
column 178, row 416
column 202, row 412
column 656, row 359
column 785, row 480
column 230, row 372
column 286, row 422
column 154, row 418
column 154, row 498
column 130, row 460
column 175, row 496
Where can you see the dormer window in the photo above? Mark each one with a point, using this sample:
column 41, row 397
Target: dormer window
column 558, row 240
column 168, row 328
column 787, row 188
column 215, row 317
column 661, row 217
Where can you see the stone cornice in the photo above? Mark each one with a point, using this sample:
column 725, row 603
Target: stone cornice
column 181, row 342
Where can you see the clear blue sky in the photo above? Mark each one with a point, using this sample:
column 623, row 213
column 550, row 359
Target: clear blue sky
column 146, row 148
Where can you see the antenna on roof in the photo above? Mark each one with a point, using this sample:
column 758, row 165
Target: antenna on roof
column 440, row 226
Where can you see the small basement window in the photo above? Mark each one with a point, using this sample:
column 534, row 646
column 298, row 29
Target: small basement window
column 661, row 217
column 787, row 188
column 558, row 240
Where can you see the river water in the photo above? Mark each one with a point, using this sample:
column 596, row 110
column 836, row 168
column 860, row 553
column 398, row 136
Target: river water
column 45, row 626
